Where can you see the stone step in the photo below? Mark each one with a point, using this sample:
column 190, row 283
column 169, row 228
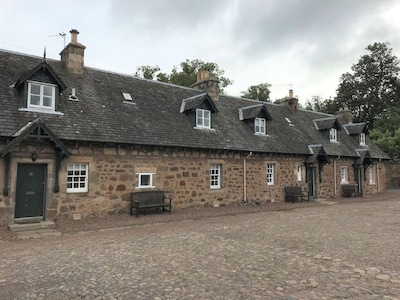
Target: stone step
column 32, row 226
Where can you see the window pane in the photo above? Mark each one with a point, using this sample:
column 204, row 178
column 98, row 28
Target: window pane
column 35, row 89
column 34, row 100
column 145, row 180
column 47, row 102
column 48, row 91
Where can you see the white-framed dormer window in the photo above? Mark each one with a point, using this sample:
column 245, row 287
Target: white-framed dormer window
column 145, row 180
column 215, row 176
column 41, row 96
column 270, row 174
column 333, row 135
column 343, row 175
column 259, row 126
column 77, row 178
column 362, row 139
column 203, row 118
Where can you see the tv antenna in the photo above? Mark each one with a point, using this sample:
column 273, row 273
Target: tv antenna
column 62, row 34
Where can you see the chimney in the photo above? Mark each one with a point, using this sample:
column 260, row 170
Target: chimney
column 73, row 54
column 291, row 102
column 345, row 114
column 209, row 83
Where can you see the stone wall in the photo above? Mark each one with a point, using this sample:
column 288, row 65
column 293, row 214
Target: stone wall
column 393, row 175
column 183, row 174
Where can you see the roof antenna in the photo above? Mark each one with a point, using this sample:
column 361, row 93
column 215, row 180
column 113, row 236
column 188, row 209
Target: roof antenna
column 62, row 34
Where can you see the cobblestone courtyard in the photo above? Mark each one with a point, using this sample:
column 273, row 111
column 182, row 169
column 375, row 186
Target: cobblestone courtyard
column 341, row 251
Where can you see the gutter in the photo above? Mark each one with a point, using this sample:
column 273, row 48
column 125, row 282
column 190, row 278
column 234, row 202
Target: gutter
column 244, row 177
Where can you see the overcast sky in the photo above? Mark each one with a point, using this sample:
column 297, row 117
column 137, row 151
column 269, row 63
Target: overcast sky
column 306, row 44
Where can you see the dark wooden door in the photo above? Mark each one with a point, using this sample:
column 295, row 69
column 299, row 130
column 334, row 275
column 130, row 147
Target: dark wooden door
column 311, row 181
column 29, row 200
column 358, row 175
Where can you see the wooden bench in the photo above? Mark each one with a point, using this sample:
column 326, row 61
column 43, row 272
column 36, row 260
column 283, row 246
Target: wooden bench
column 294, row 193
column 350, row 190
column 149, row 200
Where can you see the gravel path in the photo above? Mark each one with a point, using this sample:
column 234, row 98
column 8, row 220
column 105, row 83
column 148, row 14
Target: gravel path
column 347, row 250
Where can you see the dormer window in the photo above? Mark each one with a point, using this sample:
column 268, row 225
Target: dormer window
column 259, row 126
column 41, row 96
column 362, row 139
column 333, row 135
column 203, row 118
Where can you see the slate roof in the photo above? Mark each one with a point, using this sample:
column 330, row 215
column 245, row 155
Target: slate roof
column 154, row 116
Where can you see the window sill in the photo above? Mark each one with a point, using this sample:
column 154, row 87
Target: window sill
column 204, row 128
column 261, row 134
column 44, row 111
column 145, row 187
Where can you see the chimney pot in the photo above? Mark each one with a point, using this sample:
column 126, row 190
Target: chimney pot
column 291, row 93
column 74, row 36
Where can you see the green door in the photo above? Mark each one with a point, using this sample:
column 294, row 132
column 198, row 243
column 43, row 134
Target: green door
column 29, row 200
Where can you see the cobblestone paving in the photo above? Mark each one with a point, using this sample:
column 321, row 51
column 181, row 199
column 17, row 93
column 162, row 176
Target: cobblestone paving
column 343, row 251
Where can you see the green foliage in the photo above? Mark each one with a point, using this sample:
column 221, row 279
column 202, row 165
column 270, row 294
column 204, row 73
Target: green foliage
column 387, row 133
column 258, row 92
column 185, row 75
column 372, row 87
column 147, row 72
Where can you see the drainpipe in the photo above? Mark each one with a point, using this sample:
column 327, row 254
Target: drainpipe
column 377, row 177
column 244, row 177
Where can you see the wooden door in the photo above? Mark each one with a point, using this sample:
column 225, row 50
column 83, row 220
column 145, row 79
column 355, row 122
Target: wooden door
column 30, row 192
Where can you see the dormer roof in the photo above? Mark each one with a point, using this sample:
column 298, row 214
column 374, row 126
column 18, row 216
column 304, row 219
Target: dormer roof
column 327, row 123
column 254, row 111
column 355, row 128
column 42, row 72
column 199, row 101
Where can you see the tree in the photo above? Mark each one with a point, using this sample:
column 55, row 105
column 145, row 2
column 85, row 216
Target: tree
column 186, row 74
column 258, row 92
column 372, row 87
column 387, row 133
column 147, row 72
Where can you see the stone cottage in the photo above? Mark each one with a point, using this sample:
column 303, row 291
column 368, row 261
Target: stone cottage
column 78, row 140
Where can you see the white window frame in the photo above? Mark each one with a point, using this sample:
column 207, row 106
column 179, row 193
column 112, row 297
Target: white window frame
column 42, row 96
column 299, row 173
column 344, row 176
column 333, row 135
column 271, row 174
column 77, row 177
column 372, row 174
column 259, row 126
column 215, row 176
column 362, row 139
column 142, row 184
column 203, row 118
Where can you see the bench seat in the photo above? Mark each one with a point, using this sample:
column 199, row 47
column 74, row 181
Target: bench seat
column 149, row 199
column 294, row 194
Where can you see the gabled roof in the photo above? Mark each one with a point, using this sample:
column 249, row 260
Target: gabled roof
column 317, row 153
column 327, row 123
column 155, row 116
column 364, row 158
column 355, row 128
column 254, row 111
column 198, row 101
column 43, row 67
column 38, row 130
